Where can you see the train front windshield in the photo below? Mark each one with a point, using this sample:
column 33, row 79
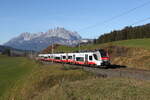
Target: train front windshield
column 95, row 57
column 103, row 53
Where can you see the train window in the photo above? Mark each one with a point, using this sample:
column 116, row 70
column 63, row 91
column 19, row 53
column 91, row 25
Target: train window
column 90, row 58
column 57, row 57
column 69, row 57
column 64, row 57
column 95, row 56
column 79, row 58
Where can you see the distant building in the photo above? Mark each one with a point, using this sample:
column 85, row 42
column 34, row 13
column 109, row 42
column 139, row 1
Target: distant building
column 86, row 41
column 17, row 53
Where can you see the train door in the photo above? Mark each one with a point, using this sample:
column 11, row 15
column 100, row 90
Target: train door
column 74, row 59
column 91, row 60
column 86, row 59
column 67, row 57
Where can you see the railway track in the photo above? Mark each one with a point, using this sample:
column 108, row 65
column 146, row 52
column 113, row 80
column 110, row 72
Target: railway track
column 114, row 71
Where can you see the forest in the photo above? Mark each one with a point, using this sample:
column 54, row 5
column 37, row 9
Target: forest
column 129, row 32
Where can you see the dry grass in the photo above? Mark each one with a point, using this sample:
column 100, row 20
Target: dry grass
column 131, row 57
column 44, row 78
column 98, row 89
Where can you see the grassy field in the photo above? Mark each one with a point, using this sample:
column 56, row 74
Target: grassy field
column 99, row 89
column 43, row 78
column 24, row 79
column 136, row 43
column 11, row 70
column 21, row 77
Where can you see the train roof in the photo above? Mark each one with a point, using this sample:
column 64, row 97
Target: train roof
column 77, row 52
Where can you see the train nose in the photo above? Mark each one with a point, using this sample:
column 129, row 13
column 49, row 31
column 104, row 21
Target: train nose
column 105, row 61
column 105, row 58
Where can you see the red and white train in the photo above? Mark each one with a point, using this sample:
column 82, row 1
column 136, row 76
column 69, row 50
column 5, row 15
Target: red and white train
column 90, row 58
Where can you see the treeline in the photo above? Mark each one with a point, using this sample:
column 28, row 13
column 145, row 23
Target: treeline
column 130, row 32
column 15, row 52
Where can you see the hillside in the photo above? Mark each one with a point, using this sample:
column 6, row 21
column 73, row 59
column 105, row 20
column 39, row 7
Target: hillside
column 135, row 43
column 24, row 79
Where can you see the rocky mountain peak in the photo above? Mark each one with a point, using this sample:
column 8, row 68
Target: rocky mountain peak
column 40, row 40
column 26, row 36
column 62, row 33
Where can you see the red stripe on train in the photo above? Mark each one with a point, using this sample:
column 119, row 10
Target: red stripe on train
column 105, row 58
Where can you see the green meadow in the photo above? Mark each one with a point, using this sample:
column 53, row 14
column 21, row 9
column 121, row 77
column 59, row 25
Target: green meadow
column 12, row 69
column 135, row 43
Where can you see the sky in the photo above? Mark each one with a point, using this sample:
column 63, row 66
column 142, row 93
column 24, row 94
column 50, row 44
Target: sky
column 84, row 16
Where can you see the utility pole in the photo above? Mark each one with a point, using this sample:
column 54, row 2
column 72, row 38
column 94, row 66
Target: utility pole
column 52, row 50
column 31, row 56
column 79, row 46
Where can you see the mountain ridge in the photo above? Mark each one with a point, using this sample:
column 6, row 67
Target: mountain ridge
column 41, row 40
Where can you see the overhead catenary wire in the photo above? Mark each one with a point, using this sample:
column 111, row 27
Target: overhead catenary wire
column 140, row 21
column 115, row 17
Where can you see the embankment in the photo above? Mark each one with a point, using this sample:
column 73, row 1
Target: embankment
column 130, row 57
